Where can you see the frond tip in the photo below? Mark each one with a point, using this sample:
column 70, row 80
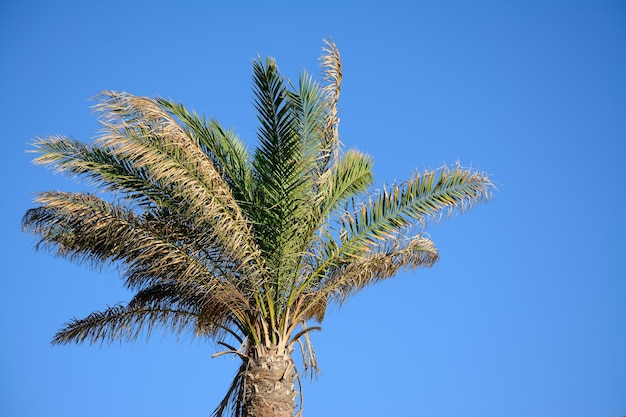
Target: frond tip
column 448, row 191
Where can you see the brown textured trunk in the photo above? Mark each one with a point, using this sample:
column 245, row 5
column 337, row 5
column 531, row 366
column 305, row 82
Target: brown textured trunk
column 269, row 384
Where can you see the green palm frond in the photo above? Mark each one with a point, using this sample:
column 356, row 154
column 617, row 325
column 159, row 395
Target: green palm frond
column 284, row 164
column 425, row 197
column 348, row 177
column 308, row 105
column 366, row 227
column 275, row 158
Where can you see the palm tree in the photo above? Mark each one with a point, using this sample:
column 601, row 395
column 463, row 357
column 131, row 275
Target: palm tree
column 246, row 248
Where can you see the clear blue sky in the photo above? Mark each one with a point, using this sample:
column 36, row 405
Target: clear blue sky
column 525, row 314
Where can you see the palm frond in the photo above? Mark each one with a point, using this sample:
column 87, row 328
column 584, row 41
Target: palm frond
column 347, row 178
column 124, row 323
column 401, row 254
column 282, row 163
column 138, row 128
column 365, row 228
column 85, row 228
column 333, row 75
column 425, row 197
column 218, row 308
column 227, row 152
column 231, row 404
column 225, row 307
column 308, row 104
column 278, row 140
column 103, row 168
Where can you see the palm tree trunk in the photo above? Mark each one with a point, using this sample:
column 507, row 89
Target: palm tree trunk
column 269, row 384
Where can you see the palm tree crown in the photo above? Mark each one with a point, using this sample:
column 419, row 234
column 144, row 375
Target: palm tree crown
column 245, row 247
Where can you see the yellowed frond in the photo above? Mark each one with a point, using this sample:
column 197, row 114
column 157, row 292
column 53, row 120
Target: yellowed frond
column 333, row 74
column 137, row 128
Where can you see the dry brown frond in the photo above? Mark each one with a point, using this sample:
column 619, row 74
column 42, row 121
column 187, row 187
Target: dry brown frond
column 333, row 74
column 382, row 262
column 138, row 128
column 315, row 306
column 223, row 305
column 86, row 227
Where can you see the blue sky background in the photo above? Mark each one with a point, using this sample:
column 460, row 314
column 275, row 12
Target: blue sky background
column 525, row 314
